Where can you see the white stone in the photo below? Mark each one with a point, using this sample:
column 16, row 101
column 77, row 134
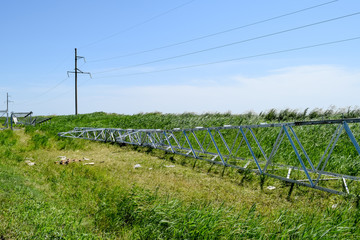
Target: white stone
column 137, row 166
column 169, row 165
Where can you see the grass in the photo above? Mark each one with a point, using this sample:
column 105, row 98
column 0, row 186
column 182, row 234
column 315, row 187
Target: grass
column 112, row 200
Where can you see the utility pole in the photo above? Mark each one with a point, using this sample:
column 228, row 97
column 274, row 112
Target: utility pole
column 76, row 111
column 76, row 71
column 7, row 109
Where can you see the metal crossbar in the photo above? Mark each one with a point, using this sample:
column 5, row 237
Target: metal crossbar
column 2, row 113
column 26, row 118
column 275, row 150
column 21, row 118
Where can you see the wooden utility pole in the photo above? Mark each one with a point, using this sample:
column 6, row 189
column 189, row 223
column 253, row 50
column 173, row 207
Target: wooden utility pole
column 76, row 71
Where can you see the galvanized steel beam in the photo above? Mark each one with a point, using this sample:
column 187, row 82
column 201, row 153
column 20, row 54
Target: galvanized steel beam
column 220, row 143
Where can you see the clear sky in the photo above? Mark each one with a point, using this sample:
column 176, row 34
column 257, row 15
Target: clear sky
column 160, row 55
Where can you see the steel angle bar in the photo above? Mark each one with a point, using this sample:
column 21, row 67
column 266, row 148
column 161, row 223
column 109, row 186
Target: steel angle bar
column 322, row 179
column 156, row 137
column 242, row 139
column 258, row 144
column 209, row 143
column 95, row 134
column 276, row 146
column 305, row 184
column 190, row 145
column 203, row 142
column 220, row 149
column 302, row 148
column 151, row 140
column 115, row 134
column 131, row 135
column 160, row 138
column 103, row 135
column 283, row 166
column 137, row 138
column 298, row 155
column 140, row 138
column 197, row 141
column 329, row 154
column 111, row 135
column 167, row 139
column 329, row 145
column 144, row 138
column 323, row 122
column 171, row 134
column 232, row 146
column 288, row 174
column 215, row 145
column 345, row 185
column 251, row 151
column 87, row 134
column 223, row 139
column 98, row 135
column 181, row 144
column 351, row 136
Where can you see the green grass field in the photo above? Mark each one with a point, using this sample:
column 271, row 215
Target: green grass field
column 113, row 200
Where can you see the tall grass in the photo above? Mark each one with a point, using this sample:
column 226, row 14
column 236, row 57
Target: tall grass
column 113, row 200
column 314, row 138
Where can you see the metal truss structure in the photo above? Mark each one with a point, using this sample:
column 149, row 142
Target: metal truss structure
column 26, row 118
column 2, row 114
column 5, row 112
column 21, row 118
column 275, row 150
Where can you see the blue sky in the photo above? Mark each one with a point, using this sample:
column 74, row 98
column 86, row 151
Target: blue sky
column 38, row 40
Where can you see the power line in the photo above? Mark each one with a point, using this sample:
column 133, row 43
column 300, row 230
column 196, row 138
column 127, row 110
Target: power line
column 217, row 62
column 230, row 44
column 47, row 91
column 55, row 86
column 214, row 34
column 195, row 39
column 140, row 24
column 238, row 59
column 43, row 93
column 64, row 94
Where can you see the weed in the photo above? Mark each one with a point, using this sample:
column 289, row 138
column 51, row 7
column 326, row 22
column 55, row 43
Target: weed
column 39, row 141
column 111, row 199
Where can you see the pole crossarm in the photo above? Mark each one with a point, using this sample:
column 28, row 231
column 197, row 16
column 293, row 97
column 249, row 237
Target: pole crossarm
column 76, row 72
column 304, row 153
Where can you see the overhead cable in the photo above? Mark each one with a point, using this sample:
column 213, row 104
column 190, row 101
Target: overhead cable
column 43, row 93
column 219, row 62
column 139, row 24
column 213, row 34
column 237, row 59
column 230, row 44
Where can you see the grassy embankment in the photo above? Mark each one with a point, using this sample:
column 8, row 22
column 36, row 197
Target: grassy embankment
column 111, row 199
